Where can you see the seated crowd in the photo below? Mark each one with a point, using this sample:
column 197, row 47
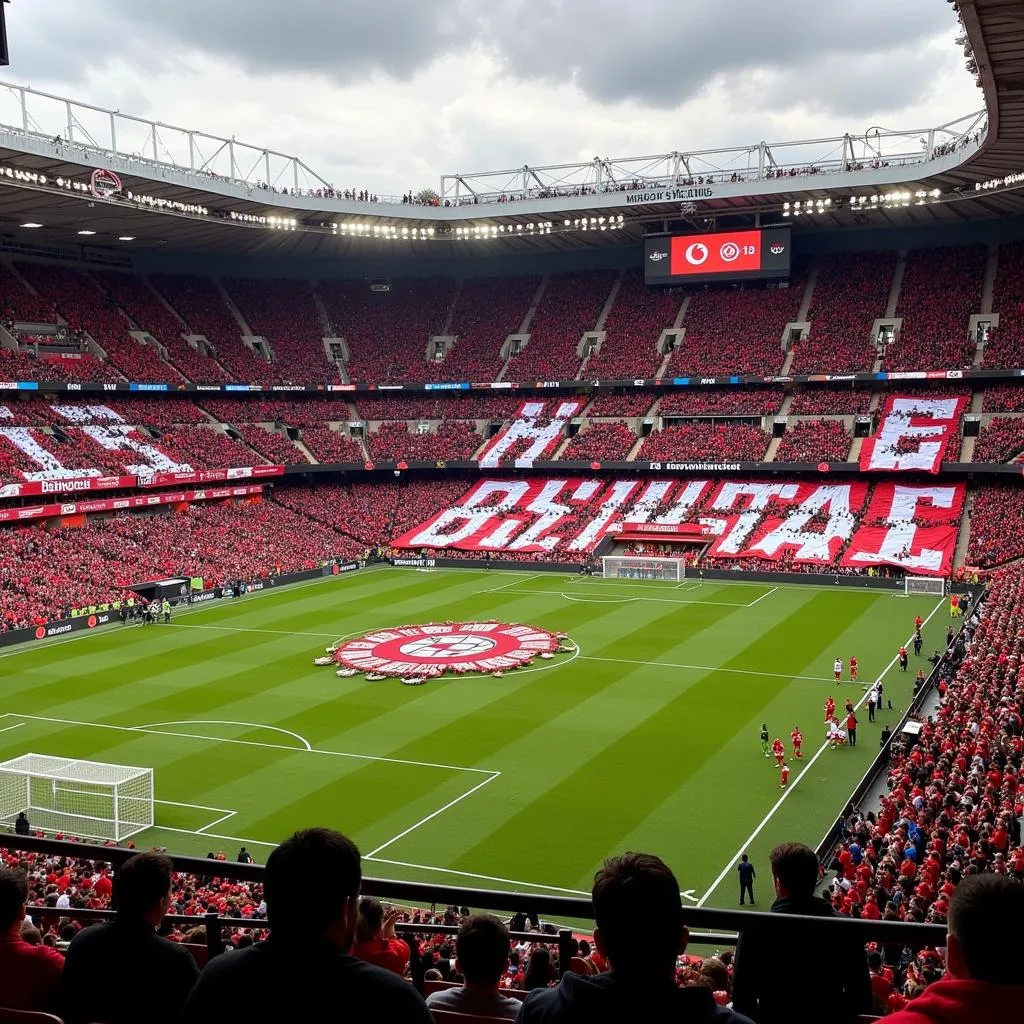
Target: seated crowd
column 721, row 402
column 601, row 440
column 815, row 441
column 1001, row 440
column 705, row 442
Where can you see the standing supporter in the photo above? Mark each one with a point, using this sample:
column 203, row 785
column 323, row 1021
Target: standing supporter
column 375, row 937
column 121, row 972
column 481, row 956
column 984, row 958
column 640, row 930
column 763, row 991
column 305, row 967
column 29, row 974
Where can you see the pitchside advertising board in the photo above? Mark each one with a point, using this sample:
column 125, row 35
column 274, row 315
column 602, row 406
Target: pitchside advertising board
column 724, row 256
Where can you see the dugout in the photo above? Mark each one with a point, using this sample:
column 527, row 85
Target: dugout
column 175, row 590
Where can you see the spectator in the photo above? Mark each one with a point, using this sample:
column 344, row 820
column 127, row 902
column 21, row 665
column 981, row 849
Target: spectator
column 305, row 965
column 765, row 993
column 21, row 825
column 376, row 942
column 121, row 971
column 538, row 971
column 481, row 956
column 30, row 972
column 640, row 931
column 984, row 958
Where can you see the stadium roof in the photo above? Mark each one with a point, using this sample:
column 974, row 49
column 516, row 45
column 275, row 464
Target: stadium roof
column 122, row 193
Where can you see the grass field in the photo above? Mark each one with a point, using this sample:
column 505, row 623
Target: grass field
column 644, row 738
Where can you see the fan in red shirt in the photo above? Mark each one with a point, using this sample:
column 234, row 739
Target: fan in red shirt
column 375, row 937
column 798, row 741
column 31, row 974
column 779, row 751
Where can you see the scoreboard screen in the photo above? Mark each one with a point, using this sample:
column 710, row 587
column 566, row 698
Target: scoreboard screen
column 723, row 256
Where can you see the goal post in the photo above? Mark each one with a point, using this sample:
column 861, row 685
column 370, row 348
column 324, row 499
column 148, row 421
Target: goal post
column 635, row 567
column 924, row 586
column 90, row 799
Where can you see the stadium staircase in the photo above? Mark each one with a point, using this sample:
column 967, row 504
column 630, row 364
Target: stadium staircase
column 897, row 284
column 963, row 541
column 232, row 308
column 805, row 302
column 524, row 327
column 858, row 443
column 773, row 448
column 634, row 451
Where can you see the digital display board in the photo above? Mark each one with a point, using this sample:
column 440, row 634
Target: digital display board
column 723, row 256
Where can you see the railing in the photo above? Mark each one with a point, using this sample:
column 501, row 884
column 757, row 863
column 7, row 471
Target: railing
column 707, row 925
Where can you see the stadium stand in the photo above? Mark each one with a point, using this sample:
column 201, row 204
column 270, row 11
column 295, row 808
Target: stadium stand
column 940, row 291
column 814, row 441
column 207, row 447
column 274, row 447
column 570, row 306
column 851, row 292
column 1001, row 440
column 601, row 441
column 722, row 402
column 388, row 333
column 619, row 404
column 996, row 537
column 634, row 325
column 452, row 440
column 460, row 407
column 735, row 329
column 308, row 413
column 1004, row 398
column 18, row 304
column 705, row 442
column 1005, row 345
column 326, row 445
column 831, row 401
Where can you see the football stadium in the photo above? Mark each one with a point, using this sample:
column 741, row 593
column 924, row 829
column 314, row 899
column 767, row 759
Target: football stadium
column 552, row 595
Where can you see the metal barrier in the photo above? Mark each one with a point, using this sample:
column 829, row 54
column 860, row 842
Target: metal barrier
column 706, row 924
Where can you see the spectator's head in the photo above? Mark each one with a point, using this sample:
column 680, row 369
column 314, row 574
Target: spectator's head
column 319, row 855
column 538, row 971
column 31, row 934
column 481, row 951
column 794, row 870
column 142, row 888
column 985, row 941
column 371, row 919
column 13, row 897
column 639, row 916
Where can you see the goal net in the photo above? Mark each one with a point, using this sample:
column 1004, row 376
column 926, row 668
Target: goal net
column 85, row 798
column 634, row 567
column 929, row 586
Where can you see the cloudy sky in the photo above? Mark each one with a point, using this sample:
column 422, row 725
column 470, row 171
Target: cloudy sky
column 392, row 93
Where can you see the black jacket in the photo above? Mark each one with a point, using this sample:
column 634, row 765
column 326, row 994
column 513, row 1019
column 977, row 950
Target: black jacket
column 125, row 972
column 769, row 983
column 604, row 1000
column 275, row 982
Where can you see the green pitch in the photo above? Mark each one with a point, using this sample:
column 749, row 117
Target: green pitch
column 646, row 738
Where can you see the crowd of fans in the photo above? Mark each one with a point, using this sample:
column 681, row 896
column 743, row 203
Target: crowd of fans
column 1005, row 344
column 814, row 441
column 995, row 515
column 840, row 401
column 620, row 403
column 601, row 440
column 453, row 440
column 1004, row 398
column 940, row 291
column 721, row 402
column 271, row 445
column 705, row 442
column 737, row 328
column 634, row 325
column 1001, row 440
column 852, row 291
column 332, row 446
column 208, row 447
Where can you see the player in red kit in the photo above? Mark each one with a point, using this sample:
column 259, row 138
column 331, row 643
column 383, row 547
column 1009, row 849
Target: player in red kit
column 783, row 776
column 918, row 623
column 853, row 670
column 779, row 751
column 830, row 708
column 798, row 740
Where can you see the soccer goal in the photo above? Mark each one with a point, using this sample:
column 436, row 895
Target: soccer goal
column 86, row 798
column 928, row 586
column 633, row 567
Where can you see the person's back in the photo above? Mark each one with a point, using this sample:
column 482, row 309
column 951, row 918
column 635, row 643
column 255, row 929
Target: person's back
column 641, row 933
column 123, row 971
column 29, row 974
column 984, row 958
column 764, row 991
column 304, row 969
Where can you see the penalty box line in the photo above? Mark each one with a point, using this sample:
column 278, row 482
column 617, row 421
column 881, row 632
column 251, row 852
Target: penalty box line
column 807, row 767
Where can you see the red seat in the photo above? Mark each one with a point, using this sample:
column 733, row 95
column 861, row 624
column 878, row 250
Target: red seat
column 199, row 953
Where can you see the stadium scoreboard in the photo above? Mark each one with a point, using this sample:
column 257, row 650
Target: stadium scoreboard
column 722, row 256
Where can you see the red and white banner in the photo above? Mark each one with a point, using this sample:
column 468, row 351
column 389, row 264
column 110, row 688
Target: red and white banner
column 71, row 508
column 206, row 476
column 534, row 434
column 68, row 486
column 812, row 524
column 913, row 434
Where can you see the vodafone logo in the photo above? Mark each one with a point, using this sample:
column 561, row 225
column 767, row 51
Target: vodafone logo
column 697, row 254
column 730, row 252
column 438, row 648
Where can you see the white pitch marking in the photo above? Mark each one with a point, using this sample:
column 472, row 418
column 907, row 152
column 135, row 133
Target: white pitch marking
column 434, row 814
column 248, row 629
column 471, row 874
column 202, row 828
column 656, row 600
column 711, row 668
column 786, row 792
column 213, row 721
column 212, row 835
column 762, row 597
column 599, row 600
column 10, row 727
column 255, row 743
column 506, row 586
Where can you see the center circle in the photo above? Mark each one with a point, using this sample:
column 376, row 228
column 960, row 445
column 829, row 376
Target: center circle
column 452, row 646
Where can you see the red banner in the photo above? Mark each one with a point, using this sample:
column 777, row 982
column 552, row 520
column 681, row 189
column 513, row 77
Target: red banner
column 913, row 434
column 805, row 523
column 72, row 485
column 206, row 476
column 9, row 515
column 83, row 483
